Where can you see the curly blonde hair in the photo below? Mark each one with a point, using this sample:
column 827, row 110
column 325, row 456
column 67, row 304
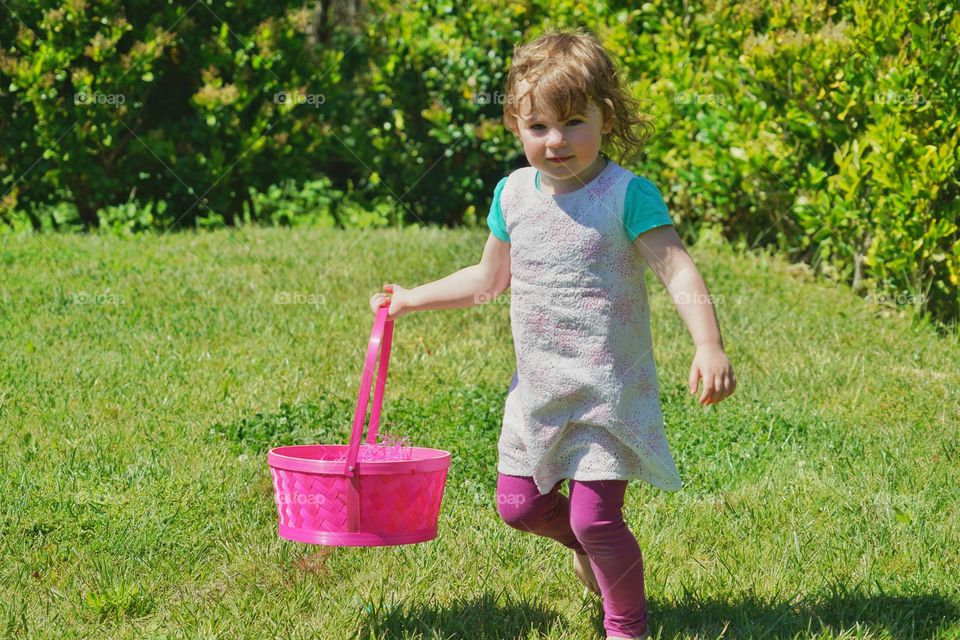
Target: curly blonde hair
column 567, row 70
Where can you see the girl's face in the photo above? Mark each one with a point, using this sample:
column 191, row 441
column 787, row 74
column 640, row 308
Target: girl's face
column 566, row 153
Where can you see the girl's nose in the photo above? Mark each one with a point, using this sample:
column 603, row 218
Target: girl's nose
column 555, row 138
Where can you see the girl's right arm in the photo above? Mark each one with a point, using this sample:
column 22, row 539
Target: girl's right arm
column 473, row 285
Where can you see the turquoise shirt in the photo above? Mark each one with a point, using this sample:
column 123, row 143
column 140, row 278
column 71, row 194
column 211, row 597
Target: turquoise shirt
column 643, row 209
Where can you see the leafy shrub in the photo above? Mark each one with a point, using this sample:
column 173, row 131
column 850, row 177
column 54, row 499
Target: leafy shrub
column 826, row 129
column 131, row 216
column 179, row 102
column 289, row 205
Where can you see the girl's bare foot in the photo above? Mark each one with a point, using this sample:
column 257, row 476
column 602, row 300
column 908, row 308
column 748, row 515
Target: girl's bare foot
column 584, row 572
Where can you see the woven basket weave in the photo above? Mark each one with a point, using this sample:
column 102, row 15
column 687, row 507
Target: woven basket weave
column 325, row 495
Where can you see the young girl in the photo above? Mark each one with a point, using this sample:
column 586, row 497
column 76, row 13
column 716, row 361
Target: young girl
column 572, row 235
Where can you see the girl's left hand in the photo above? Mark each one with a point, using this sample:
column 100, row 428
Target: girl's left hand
column 711, row 364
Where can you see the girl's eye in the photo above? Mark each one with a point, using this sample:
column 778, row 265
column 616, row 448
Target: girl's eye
column 538, row 127
column 575, row 122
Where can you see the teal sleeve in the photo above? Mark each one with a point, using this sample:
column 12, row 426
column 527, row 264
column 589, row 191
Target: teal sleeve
column 495, row 217
column 643, row 208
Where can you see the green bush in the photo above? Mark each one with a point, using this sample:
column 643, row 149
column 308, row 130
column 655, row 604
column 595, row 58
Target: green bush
column 828, row 130
column 175, row 102
column 288, row 205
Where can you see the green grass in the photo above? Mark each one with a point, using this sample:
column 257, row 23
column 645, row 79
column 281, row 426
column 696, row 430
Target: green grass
column 143, row 380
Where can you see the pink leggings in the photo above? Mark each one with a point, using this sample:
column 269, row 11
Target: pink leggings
column 589, row 521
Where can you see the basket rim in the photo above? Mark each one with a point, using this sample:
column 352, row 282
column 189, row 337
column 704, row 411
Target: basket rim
column 357, row 538
column 286, row 459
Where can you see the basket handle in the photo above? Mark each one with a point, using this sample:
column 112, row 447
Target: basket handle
column 380, row 338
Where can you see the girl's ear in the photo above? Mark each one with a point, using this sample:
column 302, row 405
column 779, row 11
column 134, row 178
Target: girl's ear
column 609, row 119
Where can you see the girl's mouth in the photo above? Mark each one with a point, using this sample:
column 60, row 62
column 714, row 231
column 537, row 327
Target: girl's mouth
column 559, row 160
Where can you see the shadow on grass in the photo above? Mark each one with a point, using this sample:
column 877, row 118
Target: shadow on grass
column 900, row 616
column 483, row 617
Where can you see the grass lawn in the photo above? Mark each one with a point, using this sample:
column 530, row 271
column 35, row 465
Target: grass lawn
column 143, row 380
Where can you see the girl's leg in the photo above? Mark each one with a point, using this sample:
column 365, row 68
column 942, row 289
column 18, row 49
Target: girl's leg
column 522, row 507
column 597, row 521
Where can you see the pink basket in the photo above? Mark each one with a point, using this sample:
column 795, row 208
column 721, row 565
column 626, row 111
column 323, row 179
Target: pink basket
column 325, row 495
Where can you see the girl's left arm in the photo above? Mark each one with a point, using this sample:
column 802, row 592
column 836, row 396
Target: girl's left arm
column 664, row 252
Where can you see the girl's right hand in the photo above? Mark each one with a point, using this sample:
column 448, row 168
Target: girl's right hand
column 397, row 296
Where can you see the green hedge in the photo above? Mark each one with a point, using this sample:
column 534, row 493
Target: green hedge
column 828, row 130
